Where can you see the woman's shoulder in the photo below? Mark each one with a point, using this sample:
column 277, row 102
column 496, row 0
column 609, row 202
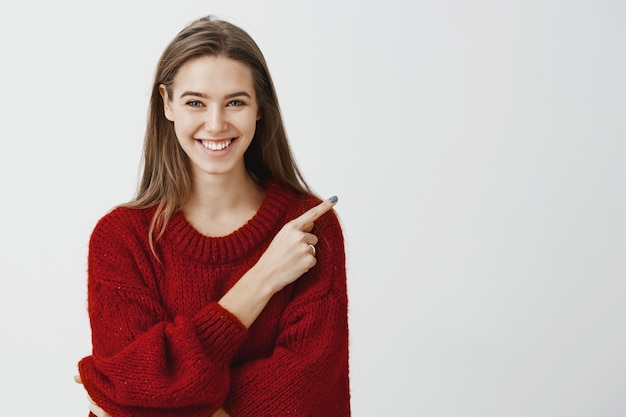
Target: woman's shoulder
column 328, row 227
column 298, row 201
column 124, row 220
column 329, row 221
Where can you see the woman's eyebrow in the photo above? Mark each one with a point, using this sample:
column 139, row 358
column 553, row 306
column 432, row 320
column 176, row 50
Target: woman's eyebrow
column 240, row 93
column 197, row 94
column 193, row 93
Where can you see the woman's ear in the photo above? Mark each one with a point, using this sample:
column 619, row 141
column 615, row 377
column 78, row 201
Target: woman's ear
column 167, row 105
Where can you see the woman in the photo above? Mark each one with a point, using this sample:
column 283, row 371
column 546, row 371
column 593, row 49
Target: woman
column 221, row 288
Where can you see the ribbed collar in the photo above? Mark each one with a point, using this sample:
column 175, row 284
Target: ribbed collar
column 227, row 249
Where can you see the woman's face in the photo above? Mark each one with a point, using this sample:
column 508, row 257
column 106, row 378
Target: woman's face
column 214, row 110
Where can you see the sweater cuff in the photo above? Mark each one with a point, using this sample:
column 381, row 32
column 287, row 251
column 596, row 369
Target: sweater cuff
column 220, row 331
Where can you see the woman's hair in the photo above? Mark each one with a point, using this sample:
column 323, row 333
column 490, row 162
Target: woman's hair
column 166, row 178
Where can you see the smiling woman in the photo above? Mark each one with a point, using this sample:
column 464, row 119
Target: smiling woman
column 220, row 290
column 214, row 110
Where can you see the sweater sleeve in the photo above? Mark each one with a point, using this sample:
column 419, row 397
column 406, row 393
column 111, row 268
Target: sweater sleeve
column 145, row 363
column 307, row 372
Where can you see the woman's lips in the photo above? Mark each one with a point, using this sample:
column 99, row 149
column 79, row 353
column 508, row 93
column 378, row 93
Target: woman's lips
column 217, row 145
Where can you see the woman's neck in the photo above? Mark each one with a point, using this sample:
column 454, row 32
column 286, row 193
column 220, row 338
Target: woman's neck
column 220, row 204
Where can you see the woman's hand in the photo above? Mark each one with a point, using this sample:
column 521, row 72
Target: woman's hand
column 292, row 251
column 93, row 407
column 221, row 413
column 290, row 254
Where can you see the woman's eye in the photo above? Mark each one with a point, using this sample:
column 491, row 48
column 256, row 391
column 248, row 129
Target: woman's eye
column 235, row 103
column 194, row 103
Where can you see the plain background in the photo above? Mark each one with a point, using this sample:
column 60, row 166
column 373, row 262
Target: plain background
column 478, row 149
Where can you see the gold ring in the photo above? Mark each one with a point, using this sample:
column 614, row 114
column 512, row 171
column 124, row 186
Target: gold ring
column 313, row 248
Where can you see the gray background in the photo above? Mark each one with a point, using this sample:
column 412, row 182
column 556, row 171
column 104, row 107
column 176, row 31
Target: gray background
column 478, row 149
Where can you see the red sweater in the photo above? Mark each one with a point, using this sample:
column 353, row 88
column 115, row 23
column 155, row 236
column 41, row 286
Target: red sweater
column 162, row 346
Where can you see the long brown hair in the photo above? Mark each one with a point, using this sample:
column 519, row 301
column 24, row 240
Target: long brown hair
column 166, row 178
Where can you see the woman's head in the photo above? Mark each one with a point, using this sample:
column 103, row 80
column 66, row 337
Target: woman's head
column 167, row 174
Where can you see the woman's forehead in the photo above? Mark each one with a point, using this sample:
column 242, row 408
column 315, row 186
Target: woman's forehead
column 214, row 75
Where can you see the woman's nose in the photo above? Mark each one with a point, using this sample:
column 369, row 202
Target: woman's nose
column 215, row 120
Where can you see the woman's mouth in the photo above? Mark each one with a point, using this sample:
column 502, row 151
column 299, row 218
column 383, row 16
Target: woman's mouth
column 217, row 145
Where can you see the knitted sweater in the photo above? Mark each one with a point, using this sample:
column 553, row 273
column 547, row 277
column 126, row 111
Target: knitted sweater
column 163, row 346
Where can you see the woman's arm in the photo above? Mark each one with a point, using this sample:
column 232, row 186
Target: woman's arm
column 307, row 373
column 99, row 412
column 144, row 361
column 285, row 260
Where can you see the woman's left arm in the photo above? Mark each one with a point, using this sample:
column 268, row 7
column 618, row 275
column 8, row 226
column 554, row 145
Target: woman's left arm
column 307, row 373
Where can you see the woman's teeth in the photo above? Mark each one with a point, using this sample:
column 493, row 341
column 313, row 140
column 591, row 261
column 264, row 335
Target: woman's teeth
column 216, row 146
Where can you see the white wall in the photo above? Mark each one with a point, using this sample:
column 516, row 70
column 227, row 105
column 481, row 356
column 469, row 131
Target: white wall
column 478, row 149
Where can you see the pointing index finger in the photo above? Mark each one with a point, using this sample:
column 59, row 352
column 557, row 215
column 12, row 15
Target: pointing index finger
column 316, row 212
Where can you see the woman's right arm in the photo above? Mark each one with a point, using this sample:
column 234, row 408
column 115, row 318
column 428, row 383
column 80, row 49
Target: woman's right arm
column 145, row 363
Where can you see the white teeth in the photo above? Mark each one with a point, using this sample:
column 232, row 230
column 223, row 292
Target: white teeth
column 216, row 146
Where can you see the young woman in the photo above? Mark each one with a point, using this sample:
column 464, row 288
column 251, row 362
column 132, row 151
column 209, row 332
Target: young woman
column 220, row 290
